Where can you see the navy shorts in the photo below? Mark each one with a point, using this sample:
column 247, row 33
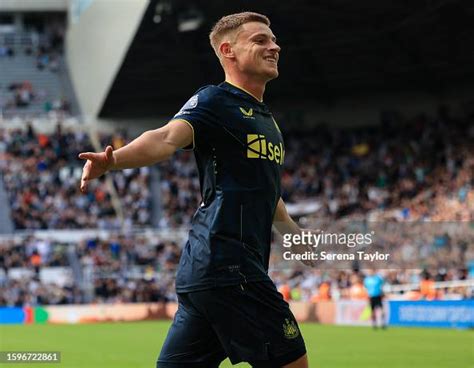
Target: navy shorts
column 247, row 323
column 376, row 302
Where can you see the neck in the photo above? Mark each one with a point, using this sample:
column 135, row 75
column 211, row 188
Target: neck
column 254, row 87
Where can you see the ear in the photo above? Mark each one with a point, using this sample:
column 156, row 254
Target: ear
column 226, row 50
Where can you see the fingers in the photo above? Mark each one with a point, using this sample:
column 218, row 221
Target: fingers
column 86, row 171
column 83, row 187
column 94, row 156
column 87, row 155
column 85, row 177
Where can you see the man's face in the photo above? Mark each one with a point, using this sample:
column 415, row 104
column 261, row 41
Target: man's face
column 256, row 51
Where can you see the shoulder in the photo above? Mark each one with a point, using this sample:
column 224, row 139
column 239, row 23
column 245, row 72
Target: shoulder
column 200, row 102
column 207, row 94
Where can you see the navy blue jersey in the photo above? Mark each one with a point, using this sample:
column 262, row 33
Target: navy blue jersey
column 239, row 153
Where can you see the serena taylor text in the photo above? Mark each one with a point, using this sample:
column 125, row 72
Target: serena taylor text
column 331, row 256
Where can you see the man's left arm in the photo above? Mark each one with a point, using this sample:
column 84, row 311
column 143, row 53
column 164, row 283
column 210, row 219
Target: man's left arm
column 285, row 225
column 283, row 222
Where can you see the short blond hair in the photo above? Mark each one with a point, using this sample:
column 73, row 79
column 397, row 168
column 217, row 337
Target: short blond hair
column 230, row 23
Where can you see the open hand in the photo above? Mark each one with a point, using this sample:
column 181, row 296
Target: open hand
column 97, row 165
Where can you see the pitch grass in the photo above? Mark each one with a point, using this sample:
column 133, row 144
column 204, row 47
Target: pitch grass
column 136, row 345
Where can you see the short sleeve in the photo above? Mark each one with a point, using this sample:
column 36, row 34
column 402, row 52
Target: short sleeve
column 198, row 112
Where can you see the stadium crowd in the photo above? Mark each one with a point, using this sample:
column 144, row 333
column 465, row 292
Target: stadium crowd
column 319, row 285
column 122, row 268
column 418, row 253
column 179, row 188
column 43, row 47
column 132, row 186
column 415, row 169
column 129, row 269
column 41, row 174
column 28, row 256
column 406, row 170
column 31, row 252
column 405, row 174
column 20, row 94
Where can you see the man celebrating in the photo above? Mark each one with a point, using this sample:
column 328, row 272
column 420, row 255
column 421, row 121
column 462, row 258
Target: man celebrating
column 228, row 306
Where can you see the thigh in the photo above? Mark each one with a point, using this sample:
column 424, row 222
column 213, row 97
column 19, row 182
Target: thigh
column 253, row 323
column 191, row 341
column 376, row 302
column 285, row 342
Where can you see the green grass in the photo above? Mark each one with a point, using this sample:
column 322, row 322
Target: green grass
column 135, row 345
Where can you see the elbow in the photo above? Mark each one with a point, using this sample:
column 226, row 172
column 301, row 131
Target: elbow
column 161, row 148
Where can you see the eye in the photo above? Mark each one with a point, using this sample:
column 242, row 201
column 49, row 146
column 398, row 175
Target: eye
column 259, row 41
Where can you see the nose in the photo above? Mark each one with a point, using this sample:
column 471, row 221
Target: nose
column 274, row 47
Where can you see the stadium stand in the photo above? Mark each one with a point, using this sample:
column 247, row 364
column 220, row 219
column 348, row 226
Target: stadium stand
column 414, row 169
column 179, row 190
column 52, row 199
column 409, row 172
column 35, row 272
column 112, row 269
column 136, row 268
column 371, row 175
column 32, row 81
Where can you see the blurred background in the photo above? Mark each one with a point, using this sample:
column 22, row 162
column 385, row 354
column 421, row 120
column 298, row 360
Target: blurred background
column 376, row 101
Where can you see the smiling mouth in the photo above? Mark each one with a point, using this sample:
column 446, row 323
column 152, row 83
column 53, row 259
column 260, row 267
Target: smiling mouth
column 271, row 60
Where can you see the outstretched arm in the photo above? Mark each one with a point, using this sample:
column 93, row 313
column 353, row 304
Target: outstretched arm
column 149, row 148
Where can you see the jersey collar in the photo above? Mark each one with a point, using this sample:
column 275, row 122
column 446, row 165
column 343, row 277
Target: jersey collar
column 240, row 91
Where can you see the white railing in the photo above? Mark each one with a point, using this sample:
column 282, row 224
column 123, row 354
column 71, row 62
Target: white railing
column 73, row 236
column 436, row 285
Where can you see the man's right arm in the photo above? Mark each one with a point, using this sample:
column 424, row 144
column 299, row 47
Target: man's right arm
column 149, row 148
column 153, row 146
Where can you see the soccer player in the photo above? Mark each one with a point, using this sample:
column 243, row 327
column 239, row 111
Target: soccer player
column 227, row 304
column 373, row 283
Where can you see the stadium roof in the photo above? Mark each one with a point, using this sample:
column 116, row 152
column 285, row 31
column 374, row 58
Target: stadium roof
column 330, row 49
